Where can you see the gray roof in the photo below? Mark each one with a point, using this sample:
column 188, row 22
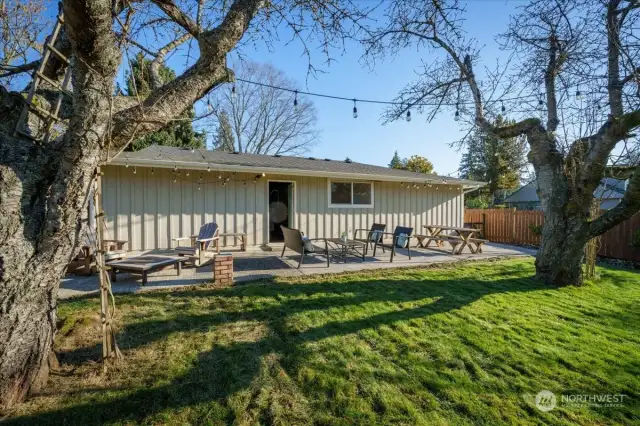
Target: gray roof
column 167, row 156
column 609, row 188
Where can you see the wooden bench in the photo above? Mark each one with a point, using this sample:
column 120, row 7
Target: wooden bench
column 241, row 235
column 453, row 240
column 478, row 242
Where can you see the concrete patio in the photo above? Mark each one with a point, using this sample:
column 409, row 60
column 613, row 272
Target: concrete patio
column 255, row 265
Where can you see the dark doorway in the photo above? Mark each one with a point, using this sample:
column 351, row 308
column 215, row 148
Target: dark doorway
column 280, row 209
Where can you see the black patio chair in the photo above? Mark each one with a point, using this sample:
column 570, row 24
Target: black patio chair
column 369, row 239
column 293, row 240
column 394, row 241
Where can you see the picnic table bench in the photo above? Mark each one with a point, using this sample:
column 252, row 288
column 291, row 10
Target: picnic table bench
column 463, row 237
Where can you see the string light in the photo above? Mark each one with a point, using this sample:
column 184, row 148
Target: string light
column 233, row 91
column 295, row 101
column 187, row 173
column 408, row 115
column 208, row 167
column 372, row 101
column 152, row 172
column 578, row 95
column 193, row 150
column 209, row 106
column 134, row 170
column 126, row 165
column 457, row 116
column 175, row 179
column 355, row 109
column 503, row 109
column 540, row 104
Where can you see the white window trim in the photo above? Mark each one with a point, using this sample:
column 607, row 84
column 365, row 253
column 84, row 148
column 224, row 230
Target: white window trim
column 350, row 206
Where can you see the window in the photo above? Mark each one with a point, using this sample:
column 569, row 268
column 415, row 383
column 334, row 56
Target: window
column 350, row 194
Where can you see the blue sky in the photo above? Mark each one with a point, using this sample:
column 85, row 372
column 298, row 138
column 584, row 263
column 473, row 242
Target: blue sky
column 365, row 139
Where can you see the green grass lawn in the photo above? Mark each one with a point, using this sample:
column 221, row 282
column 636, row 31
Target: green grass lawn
column 464, row 344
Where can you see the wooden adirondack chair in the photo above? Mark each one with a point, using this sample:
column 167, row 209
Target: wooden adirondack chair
column 199, row 243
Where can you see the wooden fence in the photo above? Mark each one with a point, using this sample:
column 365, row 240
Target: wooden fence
column 515, row 227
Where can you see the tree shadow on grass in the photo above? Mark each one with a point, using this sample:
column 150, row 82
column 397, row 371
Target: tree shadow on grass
column 222, row 371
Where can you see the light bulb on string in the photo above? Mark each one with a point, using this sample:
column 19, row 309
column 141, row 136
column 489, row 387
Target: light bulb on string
column 503, row 109
column 295, row 100
column 152, row 172
column 457, row 116
column 233, row 91
column 408, row 115
column 219, row 176
column 355, row 109
column 198, row 187
column 540, row 105
column 126, row 165
column 208, row 167
column 175, row 179
column 578, row 95
column 209, row 106
column 134, row 170
column 187, row 173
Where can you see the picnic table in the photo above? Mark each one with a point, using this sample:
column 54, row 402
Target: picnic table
column 464, row 236
column 144, row 264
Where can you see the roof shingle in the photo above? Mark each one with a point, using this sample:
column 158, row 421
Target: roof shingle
column 182, row 157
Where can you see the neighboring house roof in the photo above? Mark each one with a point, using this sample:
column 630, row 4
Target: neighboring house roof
column 166, row 156
column 609, row 188
column 524, row 194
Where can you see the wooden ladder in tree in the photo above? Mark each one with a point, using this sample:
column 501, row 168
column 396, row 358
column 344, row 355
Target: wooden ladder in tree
column 49, row 116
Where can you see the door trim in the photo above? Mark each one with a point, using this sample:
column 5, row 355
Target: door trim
column 293, row 209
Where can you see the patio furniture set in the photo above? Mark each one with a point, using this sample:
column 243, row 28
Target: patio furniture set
column 208, row 237
column 400, row 238
column 330, row 248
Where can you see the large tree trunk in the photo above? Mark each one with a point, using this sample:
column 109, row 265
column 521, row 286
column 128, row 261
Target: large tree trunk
column 561, row 253
column 43, row 190
column 566, row 202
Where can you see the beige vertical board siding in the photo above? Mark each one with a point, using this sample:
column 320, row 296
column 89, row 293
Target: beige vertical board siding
column 175, row 204
column 110, row 197
column 149, row 210
column 164, row 208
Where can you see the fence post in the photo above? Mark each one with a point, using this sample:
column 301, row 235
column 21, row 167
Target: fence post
column 513, row 225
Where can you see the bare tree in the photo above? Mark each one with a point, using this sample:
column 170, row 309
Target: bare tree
column 21, row 26
column 264, row 119
column 44, row 186
column 569, row 58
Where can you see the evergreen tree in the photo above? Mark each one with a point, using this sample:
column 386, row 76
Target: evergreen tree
column 396, row 161
column 224, row 140
column 177, row 133
column 496, row 161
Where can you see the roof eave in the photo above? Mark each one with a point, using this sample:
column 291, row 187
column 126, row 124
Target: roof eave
column 194, row 165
